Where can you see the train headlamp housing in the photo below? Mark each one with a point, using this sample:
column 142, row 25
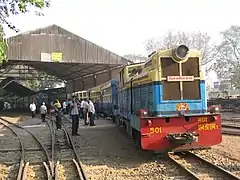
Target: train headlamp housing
column 142, row 113
column 181, row 52
column 214, row 109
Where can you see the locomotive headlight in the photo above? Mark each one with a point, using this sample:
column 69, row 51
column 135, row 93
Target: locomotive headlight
column 214, row 109
column 142, row 113
column 181, row 51
column 145, row 113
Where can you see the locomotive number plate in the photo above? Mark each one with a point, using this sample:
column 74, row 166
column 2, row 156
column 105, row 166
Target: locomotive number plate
column 156, row 130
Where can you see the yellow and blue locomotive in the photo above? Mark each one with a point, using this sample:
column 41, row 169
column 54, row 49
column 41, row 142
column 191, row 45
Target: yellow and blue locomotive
column 162, row 103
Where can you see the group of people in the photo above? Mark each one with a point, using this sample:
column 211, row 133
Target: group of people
column 43, row 110
column 76, row 108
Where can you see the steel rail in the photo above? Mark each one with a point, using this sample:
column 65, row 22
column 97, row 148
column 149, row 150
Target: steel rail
column 226, row 173
column 77, row 162
column 83, row 174
column 230, row 130
column 52, row 132
column 49, row 177
column 192, row 174
column 71, row 147
column 230, row 126
column 22, row 158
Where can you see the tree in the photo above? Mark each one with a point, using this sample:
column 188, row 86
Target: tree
column 227, row 56
column 36, row 80
column 135, row 58
column 194, row 40
column 15, row 7
column 3, row 46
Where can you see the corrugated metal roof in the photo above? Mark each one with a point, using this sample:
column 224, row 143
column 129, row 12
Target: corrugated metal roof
column 80, row 57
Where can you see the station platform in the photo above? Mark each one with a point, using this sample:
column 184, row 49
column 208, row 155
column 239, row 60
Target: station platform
column 100, row 123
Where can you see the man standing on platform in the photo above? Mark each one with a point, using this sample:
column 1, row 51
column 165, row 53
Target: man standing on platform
column 43, row 111
column 85, row 111
column 33, row 109
column 75, row 116
column 91, row 112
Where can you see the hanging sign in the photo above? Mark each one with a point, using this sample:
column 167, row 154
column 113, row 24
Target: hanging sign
column 56, row 56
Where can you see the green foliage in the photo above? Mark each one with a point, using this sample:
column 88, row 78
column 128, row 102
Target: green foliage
column 39, row 81
column 21, row 6
column 15, row 7
column 3, row 46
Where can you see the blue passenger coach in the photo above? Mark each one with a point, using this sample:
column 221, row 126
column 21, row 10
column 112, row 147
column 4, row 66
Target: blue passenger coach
column 108, row 98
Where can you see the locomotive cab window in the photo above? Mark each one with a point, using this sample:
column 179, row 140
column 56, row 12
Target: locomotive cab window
column 172, row 89
column 191, row 90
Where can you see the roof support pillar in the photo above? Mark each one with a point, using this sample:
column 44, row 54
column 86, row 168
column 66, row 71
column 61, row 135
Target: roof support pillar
column 74, row 85
column 83, row 86
column 95, row 80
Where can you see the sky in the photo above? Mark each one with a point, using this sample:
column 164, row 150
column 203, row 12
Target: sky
column 122, row 26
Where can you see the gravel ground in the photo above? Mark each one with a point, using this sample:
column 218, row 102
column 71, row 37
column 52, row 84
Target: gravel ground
column 36, row 172
column 67, row 171
column 3, row 172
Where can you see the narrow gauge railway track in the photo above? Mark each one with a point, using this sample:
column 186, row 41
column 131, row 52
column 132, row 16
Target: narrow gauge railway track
column 200, row 168
column 232, row 119
column 76, row 160
column 22, row 172
column 230, row 130
column 230, row 123
column 52, row 132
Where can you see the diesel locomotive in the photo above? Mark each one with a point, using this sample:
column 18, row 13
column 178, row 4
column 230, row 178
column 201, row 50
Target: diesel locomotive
column 162, row 103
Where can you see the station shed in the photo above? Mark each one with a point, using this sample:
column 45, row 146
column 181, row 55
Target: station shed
column 60, row 53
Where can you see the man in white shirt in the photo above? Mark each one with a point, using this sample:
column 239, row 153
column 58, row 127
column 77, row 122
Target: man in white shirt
column 91, row 111
column 64, row 107
column 85, row 105
column 33, row 109
column 43, row 111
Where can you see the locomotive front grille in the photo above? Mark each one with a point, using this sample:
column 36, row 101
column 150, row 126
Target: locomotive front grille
column 172, row 90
